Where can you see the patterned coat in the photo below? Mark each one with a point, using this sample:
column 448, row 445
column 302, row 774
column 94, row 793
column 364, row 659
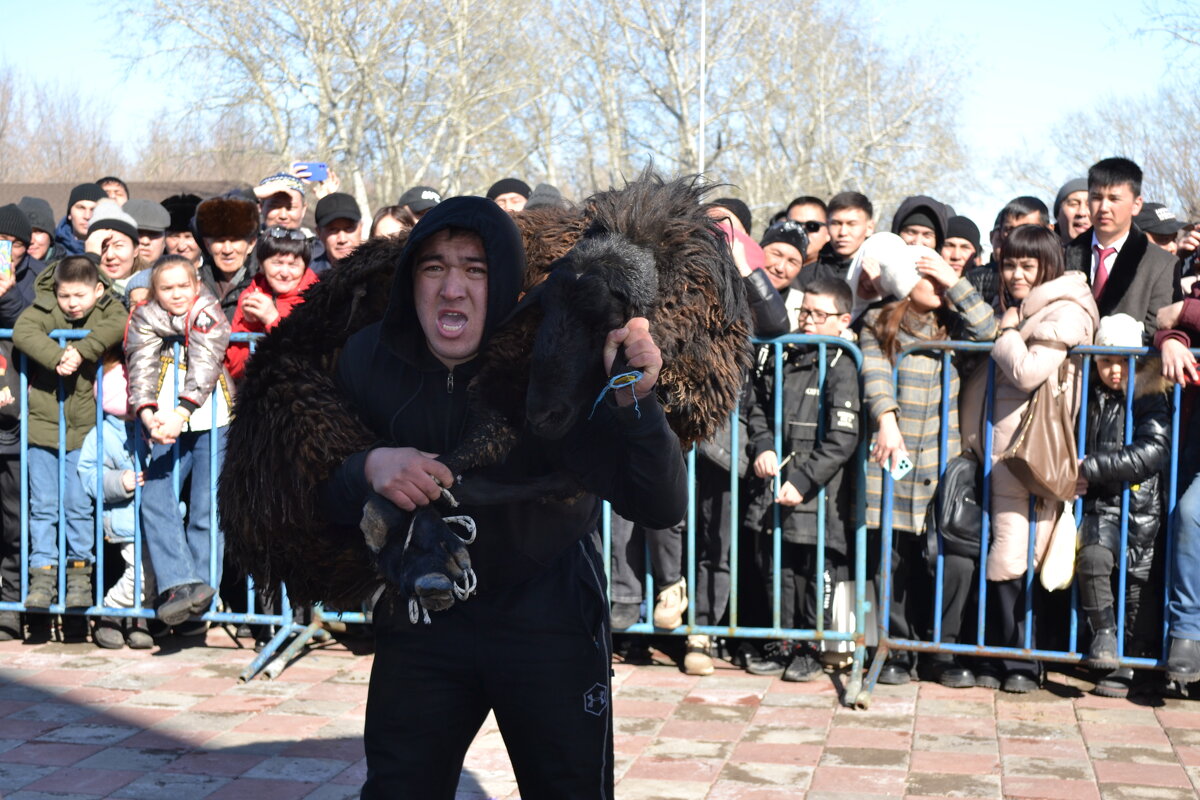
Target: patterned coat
column 916, row 397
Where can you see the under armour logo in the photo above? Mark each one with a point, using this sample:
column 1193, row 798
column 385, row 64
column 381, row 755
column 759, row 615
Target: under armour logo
column 595, row 699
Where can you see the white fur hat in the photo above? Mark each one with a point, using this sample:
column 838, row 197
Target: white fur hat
column 883, row 248
column 1119, row 330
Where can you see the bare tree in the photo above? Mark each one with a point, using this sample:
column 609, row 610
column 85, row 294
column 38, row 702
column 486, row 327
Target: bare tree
column 50, row 133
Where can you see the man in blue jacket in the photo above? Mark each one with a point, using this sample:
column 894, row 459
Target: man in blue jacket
column 532, row 644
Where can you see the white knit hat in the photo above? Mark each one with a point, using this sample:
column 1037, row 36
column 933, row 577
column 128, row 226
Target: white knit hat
column 1119, row 330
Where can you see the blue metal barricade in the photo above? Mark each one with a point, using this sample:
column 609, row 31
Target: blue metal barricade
column 223, row 614
column 855, row 469
column 1027, row 649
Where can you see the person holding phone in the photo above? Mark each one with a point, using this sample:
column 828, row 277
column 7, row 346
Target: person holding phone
column 931, row 302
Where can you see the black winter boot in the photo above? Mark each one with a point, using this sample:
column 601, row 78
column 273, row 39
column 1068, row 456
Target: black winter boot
column 1103, row 652
column 79, row 585
column 43, row 587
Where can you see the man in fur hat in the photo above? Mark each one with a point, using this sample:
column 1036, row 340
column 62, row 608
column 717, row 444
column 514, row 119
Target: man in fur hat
column 228, row 227
column 533, row 643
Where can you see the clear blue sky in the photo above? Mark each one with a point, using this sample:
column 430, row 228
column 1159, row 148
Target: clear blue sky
column 1046, row 50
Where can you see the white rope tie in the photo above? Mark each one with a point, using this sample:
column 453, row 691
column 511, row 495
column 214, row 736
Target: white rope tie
column 463, row 589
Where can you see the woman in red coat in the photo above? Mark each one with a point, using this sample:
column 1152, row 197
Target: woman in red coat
column 278, row 288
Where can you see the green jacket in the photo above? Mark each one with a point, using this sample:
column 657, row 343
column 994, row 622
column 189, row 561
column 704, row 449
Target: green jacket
column 106, row 323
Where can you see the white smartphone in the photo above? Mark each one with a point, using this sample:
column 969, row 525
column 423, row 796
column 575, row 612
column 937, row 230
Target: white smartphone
column 901, row 467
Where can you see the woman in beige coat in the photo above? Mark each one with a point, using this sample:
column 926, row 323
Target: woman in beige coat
column 1044, row 314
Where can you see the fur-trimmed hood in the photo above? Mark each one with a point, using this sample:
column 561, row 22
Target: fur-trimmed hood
column 1147, row 379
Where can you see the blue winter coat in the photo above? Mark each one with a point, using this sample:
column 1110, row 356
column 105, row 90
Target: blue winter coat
column 119, row 439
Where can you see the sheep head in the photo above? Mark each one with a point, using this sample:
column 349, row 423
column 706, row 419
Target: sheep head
column 602, row 283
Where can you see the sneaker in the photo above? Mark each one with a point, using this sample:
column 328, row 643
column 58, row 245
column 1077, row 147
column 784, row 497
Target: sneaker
column 202, row 595
column 775, row 658
column 175, row 605
column 107, row 633
column 625, row 614
column 805, row 666
column 698, row 659
column 672, row 602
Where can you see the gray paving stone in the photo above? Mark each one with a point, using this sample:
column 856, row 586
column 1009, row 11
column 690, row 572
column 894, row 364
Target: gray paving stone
column 170, row 786
column 89, row 733
column 131, row 758
column 310, row 770
column 14, row 776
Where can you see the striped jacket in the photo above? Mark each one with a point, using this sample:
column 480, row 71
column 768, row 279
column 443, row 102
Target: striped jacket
column 916, row 397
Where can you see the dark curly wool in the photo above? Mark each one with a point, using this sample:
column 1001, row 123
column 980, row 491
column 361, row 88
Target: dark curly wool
column 292, row 428
column 650, row 251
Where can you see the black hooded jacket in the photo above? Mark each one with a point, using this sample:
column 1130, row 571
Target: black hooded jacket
column 410, row 399
column 933, row 209
column 1109, row 462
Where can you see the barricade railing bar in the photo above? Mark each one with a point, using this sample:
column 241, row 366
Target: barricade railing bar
column 855, row 469
column 218, row 612
column 1027, row 649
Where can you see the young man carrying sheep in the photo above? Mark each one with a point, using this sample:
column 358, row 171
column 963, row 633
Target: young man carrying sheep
column 532, row 644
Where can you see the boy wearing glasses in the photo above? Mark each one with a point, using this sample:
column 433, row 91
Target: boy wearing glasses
column 820, row 435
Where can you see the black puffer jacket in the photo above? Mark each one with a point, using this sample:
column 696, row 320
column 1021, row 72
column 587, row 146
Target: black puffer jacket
column 821, row 434
column 1109, row 462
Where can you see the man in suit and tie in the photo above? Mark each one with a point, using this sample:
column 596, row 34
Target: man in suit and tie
column 1128, row 274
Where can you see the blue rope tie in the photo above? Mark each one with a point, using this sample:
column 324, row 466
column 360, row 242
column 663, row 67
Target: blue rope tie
column 619, row 382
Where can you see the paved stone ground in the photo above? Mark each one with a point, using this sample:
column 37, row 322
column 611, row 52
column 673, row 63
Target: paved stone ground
column 77, row 722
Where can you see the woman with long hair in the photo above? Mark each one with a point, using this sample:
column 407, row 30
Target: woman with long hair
column 1044, row 313
column 935, row 304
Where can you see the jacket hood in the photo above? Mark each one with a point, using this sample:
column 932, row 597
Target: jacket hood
column 400, row 328
column 929, row 207
column 45, row 299
column 1148, row 379
column 1071, row 287
column 306, row 280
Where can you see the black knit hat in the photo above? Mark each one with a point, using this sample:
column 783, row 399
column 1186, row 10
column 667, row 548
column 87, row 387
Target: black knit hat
column 963, row 228
column 789, row 232
column 337, row 205
column 506, row 185
column 14, row 223
column 86, row 191
column 181, row 207
column 737, row 208
column 41, row 216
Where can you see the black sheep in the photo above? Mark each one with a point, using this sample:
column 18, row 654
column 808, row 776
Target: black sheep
column 647, row 250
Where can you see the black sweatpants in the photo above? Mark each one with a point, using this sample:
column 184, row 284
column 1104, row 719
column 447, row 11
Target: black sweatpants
column 10, row 527
column 538, row 654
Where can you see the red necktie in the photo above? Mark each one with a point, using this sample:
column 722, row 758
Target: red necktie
column 1101, row 271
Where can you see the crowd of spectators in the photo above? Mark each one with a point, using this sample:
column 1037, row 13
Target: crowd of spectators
column 1100, row 266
